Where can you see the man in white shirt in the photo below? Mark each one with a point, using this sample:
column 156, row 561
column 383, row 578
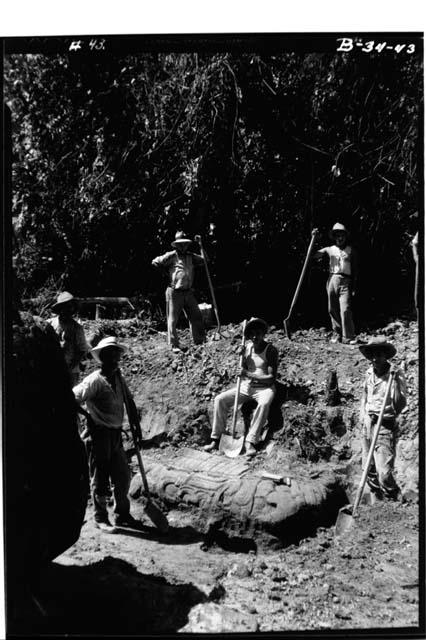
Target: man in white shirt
column 341, row 284
column 101, row 392
column 179, row 294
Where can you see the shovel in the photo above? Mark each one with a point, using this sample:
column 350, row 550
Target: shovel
column 228, row 444
column 348, row 513
column 153, row 512
column 299, row 284
column 218, row 333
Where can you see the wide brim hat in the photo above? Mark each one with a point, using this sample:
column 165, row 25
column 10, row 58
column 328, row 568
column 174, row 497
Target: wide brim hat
column 338, row 228
column 180, row 239
column 379, row 342
column 63, row 298
column 255, row 322
column 109, row 341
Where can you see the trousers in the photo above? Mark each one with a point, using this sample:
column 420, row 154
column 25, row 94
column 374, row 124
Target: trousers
column 225, row 400
column 380, row 475
column 339, row 305
column 107, row 460
column 176, row 301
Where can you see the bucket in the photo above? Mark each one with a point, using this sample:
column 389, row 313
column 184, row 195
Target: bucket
column 207, row 314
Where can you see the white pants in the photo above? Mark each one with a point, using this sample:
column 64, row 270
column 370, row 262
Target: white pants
column 225, row 400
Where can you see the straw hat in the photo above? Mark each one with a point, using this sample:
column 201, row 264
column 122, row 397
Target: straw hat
column 109, row 341
column 338, row 228
column 180, row 239
column 379, row 342
column 257, row 323
column 63, row 298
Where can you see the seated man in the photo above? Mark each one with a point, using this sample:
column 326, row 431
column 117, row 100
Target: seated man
column 258, row 374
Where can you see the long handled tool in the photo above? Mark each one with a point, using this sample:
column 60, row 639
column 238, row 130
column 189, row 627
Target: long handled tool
column 228, row 444
column 153, row 512
column 348, row 513
column 216, row 311
column 299, row 284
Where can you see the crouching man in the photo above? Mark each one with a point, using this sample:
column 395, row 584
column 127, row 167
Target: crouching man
column 380, row 477
column 103, row 396
column 258, row 374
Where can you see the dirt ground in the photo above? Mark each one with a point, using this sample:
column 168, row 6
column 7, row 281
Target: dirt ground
column 140, row 583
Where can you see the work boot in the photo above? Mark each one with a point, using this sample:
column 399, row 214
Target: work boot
column 104, row 524
column 214, row 444
column 127, row 521
column 335, row 338
column 250, row 450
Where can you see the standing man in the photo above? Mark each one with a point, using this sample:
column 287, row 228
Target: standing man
column 341, row 284
column 102, row 393
column 70, row 333
column 179, row 294
column 380, row 477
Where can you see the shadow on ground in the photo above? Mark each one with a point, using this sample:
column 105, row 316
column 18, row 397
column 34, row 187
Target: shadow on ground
column 106, row 598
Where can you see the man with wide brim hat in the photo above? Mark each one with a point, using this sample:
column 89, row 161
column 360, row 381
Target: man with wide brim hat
column 179, row 294
column 70, row 333
column 380, row 476
column 341, row 283
column 378, row 342
column 102, row 394
column 259, row 370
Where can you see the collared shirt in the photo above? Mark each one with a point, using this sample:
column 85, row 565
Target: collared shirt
column 374, row 393
column 340, row 259
column 181, row 267
column 72, row 339
column 104, row 403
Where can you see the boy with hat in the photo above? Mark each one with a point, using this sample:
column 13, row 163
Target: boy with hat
column 179, row 294
column 380, row 477
column 258, row 374
column 102, row 393
column 341, row 283
column 70, row 333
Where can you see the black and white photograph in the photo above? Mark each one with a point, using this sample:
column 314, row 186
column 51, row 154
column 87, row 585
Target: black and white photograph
column 213, row 384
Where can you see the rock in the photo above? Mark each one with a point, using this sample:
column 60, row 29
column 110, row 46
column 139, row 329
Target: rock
column 240, row 571
column 225, row 496
column 215, row 618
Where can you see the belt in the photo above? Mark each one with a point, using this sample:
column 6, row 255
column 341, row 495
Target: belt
column 343, row 275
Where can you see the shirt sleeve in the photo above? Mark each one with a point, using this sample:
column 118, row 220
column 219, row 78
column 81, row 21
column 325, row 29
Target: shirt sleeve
column 321, row 252
column 84, row 391
column 163, row 261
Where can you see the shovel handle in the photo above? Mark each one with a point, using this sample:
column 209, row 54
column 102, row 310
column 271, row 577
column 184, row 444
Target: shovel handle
column 204, row 256
column 237, row 393
column 133, row 432
column 302, row 275
column 360, row 491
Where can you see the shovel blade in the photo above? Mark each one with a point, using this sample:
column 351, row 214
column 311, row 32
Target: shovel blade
column 157, row 517
column 344, row 520
column 231, row 447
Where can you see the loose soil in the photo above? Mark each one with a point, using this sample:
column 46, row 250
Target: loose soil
column 143, row 582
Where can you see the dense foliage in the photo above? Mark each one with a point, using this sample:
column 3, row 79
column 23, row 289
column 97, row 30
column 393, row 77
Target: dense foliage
column 112, row 155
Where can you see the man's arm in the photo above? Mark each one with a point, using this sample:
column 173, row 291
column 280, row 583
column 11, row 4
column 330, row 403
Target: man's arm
column 162, row 261
column 320, row 253
column 354, row 270
column 197, row 260
column 399, row 391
